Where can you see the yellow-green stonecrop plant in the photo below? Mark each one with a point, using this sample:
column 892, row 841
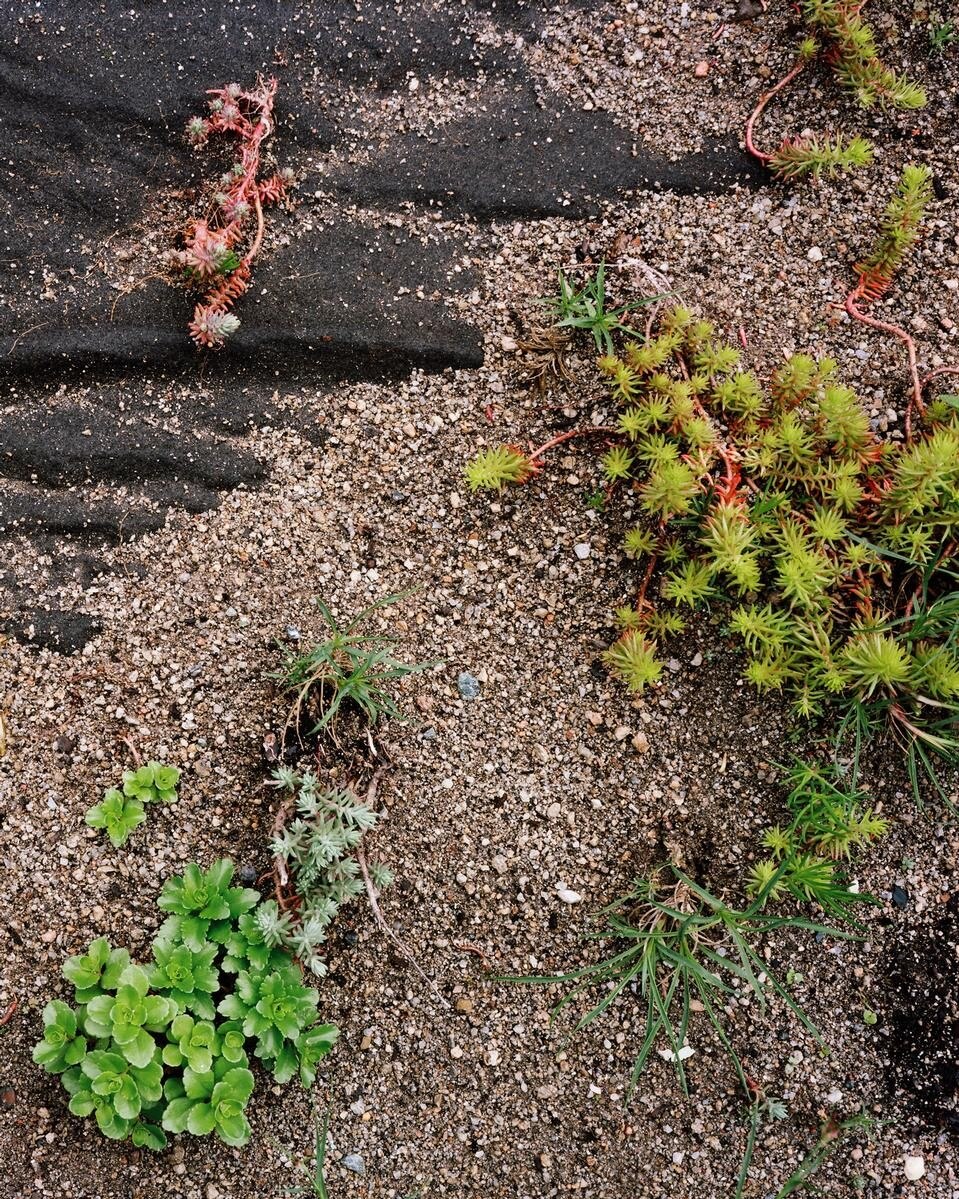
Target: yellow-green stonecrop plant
column 830, row 550
column 840, row 37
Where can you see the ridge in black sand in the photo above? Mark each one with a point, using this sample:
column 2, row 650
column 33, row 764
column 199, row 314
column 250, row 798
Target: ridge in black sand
column 93, row 111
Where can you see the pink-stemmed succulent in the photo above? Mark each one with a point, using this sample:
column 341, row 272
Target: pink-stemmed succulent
column 214, row 258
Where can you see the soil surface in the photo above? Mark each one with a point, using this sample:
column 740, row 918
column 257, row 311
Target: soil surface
column 167, row 518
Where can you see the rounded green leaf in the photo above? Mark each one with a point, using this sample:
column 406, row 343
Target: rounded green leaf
column 140, row 1050
column 172, row 1056
column 136, row 977
column 75, row 1051
column 201, row 1120
column 234, row 1131
column 127, row 1099
column 148, row 1136
column 82, row 1103
column 196, row 1085
column 176, row 1114
column 237, row 1084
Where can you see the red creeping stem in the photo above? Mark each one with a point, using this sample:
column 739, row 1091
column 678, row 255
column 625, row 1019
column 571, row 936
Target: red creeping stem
column 568, row 436
column 942, row 370
column 733, row 476
column 758, row 110
column 641, row 600
column 861, row 291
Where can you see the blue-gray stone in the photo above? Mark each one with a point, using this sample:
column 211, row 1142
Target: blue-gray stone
column 355, row 1163
column 468, row 685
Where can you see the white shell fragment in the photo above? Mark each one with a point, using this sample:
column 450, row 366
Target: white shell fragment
column 568, row 896
column 915, row 1166
column 684, row 1053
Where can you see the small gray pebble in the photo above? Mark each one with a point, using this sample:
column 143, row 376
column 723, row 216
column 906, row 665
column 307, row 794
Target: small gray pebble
column 354, row 1162
column 292, row 633
column 468, row 685
column 581, row 550
column 428, row 734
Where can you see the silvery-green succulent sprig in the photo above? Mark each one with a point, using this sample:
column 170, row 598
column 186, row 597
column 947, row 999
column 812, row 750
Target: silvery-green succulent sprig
column 317, row 849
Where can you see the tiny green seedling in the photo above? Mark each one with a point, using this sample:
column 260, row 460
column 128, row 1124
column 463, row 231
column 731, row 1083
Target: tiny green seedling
column 763, row 1108
column 314, row 1169
column 120, row 812
column 348, row 667
column 942, row 35
column 585, row 309
column 116, row 815
column 152, row 783
column 832, row 1134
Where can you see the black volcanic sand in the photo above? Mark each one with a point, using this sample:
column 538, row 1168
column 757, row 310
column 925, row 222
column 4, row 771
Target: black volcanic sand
column 94, row 114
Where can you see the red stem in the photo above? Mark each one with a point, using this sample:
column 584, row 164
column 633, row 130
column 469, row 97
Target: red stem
column 561, row 437
column 758, row 110
column 915, row 400
column 641, row 597
column 942, row 370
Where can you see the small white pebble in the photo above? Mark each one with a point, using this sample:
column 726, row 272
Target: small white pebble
column 815, row 254
column 568, row 896
column 684, row 1053
column 581, row 550
column 914, row 1166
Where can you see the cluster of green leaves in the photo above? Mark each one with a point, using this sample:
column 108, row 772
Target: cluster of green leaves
column 349, row 667
column 680, row 949
column 148, row 1050
column 121, row 811
column 942, row 35
column 845, row 42
column 829, row 548
column 815, row 155
column 317, row 850
column 850, row 48
column 494, row 468
column 585, row 309
column 829, row 821
column 898, row 232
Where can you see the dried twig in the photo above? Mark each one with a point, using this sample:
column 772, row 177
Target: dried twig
column 374, row 904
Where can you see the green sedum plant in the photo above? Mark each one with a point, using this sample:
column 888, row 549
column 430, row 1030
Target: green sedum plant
column 116, row 815
column 829, row 549
column 839, row 36
column 120, row 812
column 214, row 1100
column 162, row 1048
column 152, row 783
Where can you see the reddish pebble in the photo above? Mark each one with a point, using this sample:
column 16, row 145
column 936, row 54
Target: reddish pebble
column 701, row 70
